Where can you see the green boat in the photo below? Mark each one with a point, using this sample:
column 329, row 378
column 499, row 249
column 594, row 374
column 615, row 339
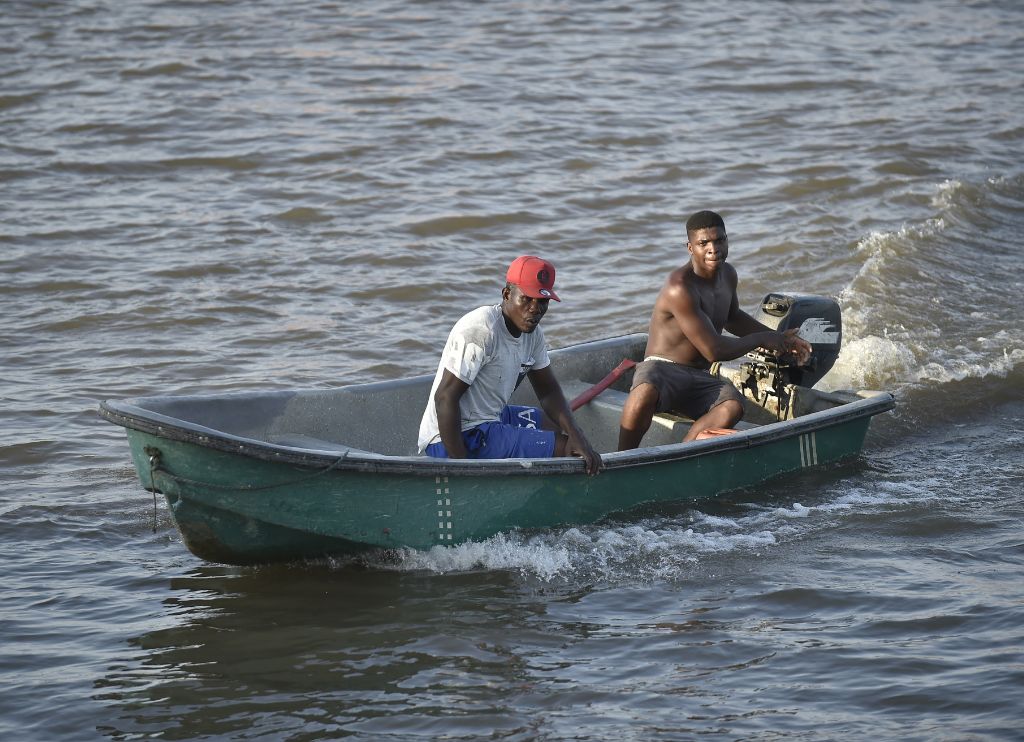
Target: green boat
column 276, row 476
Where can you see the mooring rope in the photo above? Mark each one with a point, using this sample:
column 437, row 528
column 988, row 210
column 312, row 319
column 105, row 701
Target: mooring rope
column 154, row 460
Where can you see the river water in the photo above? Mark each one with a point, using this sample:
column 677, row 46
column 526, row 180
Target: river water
column 210, row 196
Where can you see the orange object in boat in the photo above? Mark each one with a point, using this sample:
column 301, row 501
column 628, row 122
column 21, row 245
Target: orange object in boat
column 714, row 433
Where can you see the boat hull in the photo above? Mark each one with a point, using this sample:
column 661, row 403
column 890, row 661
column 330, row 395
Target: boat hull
column 241, row 509
column 270, row 476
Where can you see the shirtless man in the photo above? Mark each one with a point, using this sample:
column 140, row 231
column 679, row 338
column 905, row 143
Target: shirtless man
column 697, row 301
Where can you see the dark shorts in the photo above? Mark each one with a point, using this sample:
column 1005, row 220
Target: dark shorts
column 691, row 391
column 516, row 435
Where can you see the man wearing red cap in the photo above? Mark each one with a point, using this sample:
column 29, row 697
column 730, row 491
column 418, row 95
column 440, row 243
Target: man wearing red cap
column 488, row 354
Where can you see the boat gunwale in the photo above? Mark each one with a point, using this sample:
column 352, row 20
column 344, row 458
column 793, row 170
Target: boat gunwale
column 134, row 417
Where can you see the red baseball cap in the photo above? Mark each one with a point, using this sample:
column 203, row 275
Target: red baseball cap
column 534, row 276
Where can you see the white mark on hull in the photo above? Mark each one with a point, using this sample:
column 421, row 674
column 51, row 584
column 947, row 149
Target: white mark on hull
column 809, row 450
column 444, row 528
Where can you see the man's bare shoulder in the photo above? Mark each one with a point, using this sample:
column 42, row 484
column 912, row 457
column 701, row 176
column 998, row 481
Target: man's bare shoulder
column 677, row 289
column 678, row 279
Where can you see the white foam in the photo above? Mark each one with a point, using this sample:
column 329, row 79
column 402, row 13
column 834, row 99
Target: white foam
column 880, row 350
column 654, row 549
column 870, row 363
column 880, row 244
column 903, row 358
column 501, row 552
column 659, row 549
column 946, row 194
column 645, row 550
column 946, row 368
column 797, row 511
column 716, row 521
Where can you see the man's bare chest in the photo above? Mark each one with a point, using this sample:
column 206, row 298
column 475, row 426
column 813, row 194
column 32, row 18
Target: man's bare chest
column 714, row 301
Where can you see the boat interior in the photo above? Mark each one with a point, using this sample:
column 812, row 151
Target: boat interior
column 383, row 418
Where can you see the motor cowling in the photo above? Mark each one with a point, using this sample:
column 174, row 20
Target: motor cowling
column 819, row 321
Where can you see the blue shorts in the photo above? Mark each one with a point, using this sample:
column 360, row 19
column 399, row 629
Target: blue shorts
column 516, row 435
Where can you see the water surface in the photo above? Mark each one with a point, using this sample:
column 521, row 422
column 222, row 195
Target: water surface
column 200, row 197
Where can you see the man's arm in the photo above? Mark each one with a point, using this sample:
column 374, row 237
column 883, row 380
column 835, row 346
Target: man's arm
column 742, row 324
column 449, row 414
column 552, row 401
column 711, row 344
column 739, row 323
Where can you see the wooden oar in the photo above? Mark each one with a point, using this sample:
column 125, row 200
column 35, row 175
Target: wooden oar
column 603, row 384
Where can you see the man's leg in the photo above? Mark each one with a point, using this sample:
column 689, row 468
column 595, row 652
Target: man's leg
column 524, row 416
column 636, row 415
column 533, row 417
column 517, row 436
column 723, row 415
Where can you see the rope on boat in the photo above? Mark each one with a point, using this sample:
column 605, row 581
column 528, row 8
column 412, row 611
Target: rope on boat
column 154, row 466
column 154, row 461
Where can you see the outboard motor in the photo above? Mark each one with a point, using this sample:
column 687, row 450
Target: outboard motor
column 820, row 323
column 766, row 378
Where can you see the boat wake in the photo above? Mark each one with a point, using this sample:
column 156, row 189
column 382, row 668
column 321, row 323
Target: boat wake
column 728, row 535
column 936, row 302
column 666, row 549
